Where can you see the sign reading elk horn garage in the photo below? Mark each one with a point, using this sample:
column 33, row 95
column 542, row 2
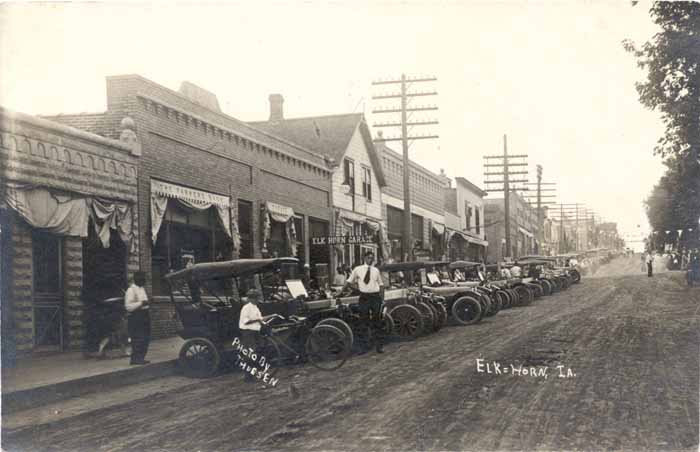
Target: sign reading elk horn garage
column 343, row 240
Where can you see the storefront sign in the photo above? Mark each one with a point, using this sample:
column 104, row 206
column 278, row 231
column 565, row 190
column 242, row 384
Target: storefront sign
column 343, row 240
column 188, row 194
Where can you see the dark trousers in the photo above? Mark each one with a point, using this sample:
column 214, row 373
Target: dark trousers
column 649, row 269
column 249, row 339
column 370, row 305
column 140, row 333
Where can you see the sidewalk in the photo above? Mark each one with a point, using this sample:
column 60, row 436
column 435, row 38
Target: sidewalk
column 41, row 380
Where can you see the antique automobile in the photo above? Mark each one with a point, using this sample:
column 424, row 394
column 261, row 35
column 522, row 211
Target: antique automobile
column 557, row 276
column 496, row 279
column 414, row 312
column 207, row 298
column 465, row 303
column 564, row 262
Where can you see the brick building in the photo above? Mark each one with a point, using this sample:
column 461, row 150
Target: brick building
column 68, row 222
column 523, row 228
column 211, row 186
column 357, row 180
column 465, row 236
column 427, row 206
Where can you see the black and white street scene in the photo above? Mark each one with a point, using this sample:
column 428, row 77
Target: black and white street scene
column 291, row 225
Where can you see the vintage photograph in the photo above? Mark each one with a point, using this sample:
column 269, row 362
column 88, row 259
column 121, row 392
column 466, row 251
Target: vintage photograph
column 392, row 225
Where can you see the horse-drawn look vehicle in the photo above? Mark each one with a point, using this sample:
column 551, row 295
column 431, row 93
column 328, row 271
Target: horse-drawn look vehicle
column 208, row 299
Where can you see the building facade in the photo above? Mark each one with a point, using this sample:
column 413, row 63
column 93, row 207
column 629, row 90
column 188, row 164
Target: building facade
column 427, row 207
column 464, row 218
column 357, row 177
column 210, row 186
column 523, row 229
column 68, row 229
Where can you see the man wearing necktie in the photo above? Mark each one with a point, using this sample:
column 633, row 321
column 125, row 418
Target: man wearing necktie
column 371, row 286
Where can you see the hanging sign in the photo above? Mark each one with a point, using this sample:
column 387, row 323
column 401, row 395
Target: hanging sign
column 343, row 239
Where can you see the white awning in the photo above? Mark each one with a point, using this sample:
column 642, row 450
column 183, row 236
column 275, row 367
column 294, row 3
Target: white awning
column 188, row 194
column 278, row 212
column 439, row 228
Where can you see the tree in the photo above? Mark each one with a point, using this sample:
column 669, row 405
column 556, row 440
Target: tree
column 672, row 86
column 672, row 61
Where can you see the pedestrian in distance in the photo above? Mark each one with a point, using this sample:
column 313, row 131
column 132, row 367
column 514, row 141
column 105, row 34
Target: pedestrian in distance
column 371, row 287
column 138, row 319
column 650, row 264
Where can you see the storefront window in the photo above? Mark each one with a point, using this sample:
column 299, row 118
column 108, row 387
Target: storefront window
column 277, row 245
column 245, row 228
column 417, row 230
column 187, row 232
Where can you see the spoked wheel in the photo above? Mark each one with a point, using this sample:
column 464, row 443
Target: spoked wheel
column 408, row 321
column 546, row 287
column 436, row 316
column 492, row 305
column 525, row 295
column 342, row 326
column 505, row 299
column 537, row 289
column 466, row 310
column 500, row 299
column 428, row 317
column 565, row 282
column 267, row 352
column 441, row 314
column 199, row 358
column 388, row 324
column 556, row 285
column 575, row 276
column 515, row 298
column 327, row 347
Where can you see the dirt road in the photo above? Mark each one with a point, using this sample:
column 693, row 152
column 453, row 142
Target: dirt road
column 626, row 346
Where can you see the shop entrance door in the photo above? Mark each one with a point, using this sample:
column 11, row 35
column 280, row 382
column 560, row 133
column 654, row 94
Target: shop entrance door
column 47, row 278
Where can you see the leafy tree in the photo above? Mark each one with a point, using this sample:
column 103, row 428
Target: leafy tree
column 672, row 86
column 672, row 61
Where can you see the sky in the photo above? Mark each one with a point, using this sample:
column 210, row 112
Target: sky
column 553, row 76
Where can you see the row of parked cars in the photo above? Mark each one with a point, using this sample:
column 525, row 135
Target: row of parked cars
column 324, row 327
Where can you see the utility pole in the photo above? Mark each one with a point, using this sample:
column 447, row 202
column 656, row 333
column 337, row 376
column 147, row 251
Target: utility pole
column 567, row 210
column 540, row 203
column 504, row 184
column 405, row 96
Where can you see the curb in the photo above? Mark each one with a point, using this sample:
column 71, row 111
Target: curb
column 42, row 395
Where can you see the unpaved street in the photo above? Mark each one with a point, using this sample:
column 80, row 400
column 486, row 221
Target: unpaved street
column 626, row 345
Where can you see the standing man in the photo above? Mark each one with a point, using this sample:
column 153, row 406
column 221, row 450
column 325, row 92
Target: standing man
column 371, row 288
column 650, row 263
column 139, row 319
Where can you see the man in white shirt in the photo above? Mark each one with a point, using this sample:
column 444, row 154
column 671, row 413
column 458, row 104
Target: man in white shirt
column 139, row 319
column 371, row 287
column 249, row 322
column 251, row 318
column 515, row 270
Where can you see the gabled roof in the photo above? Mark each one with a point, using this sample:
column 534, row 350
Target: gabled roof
column 471, row 186
column 326, row 135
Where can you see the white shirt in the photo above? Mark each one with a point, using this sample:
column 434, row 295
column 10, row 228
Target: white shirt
column 515, row 271
column 650, row 259
column 505, row 273
column 249, row 312
column 358, row 276
column 573, row 263
column 134, row 298
column 339, row 279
